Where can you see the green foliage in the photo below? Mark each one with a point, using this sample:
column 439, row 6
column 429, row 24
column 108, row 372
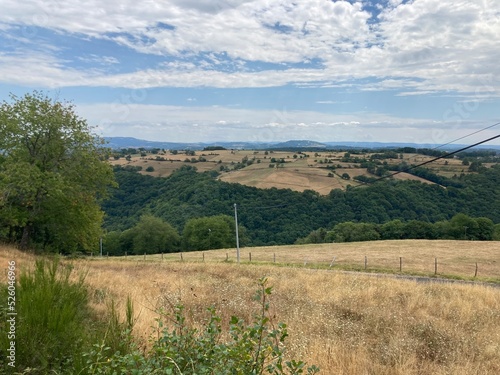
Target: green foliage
column 281, row 216
column 151, row 235
column 496, row 232
column 459, row 227
column 52, row 319
column 352, row 232
column 55, row 327
column 53, row 175
column 214, row 232
column 254, row 348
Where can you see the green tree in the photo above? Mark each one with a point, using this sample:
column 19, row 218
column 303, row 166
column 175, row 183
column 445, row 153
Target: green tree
column 214, row 232
column 153, row 235
column 485, row 229
column 417, row 229
column 393, row 230
column 111, row 243
column 353, row 232
column 463, row 227
column 496, row 232
column 53, row 175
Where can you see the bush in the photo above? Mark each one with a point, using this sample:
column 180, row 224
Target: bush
column 255, row 348
column 55, row 325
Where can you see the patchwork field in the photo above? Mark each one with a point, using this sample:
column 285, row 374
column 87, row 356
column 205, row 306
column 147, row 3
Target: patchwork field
column 345, row 323
column 319, row 171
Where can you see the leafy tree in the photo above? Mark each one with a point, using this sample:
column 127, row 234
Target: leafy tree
column 153, row 235
column 353, row 232
column 485, row 229
column 417, row 229
column 463, row 227
column 111, row 243
column 393, row 230
column 281, row 216
column 496, row 233
column 215, row 232
column 475, row 166
column 53, row 175
column 316, row 236
column 346, row 176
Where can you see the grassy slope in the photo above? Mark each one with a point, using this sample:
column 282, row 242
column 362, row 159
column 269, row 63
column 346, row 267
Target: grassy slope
column 346, row 324
column 297, row 174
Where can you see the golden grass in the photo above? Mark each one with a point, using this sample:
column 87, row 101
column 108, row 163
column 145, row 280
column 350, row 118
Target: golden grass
column 345, row 323
column 297, row 174
column 455, row 259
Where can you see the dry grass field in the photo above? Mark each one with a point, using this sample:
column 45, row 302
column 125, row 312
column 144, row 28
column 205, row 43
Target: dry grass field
column 345, row 323
column 455, row 259
column 300, row 171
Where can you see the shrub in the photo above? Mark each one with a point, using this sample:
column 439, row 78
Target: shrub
column 256, row 348
column 55, row 325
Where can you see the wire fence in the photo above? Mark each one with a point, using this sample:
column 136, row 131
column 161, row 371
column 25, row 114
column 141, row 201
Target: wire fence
column 461, row 267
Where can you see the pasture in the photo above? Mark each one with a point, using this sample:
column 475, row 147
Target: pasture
column 346, row 323
column 319, row 171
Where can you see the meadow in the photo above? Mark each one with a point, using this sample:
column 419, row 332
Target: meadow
column 299, row 172
column 345, row 323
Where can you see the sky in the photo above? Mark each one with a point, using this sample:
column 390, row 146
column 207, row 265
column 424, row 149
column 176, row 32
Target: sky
column 421, row 71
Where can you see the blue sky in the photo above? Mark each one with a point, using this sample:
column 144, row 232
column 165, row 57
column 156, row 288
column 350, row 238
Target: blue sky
column 421, row 71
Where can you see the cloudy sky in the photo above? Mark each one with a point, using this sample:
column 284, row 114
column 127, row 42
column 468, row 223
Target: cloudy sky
column 422, row 71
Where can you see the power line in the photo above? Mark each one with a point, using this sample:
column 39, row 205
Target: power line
column 437, row 158
column 465, row 136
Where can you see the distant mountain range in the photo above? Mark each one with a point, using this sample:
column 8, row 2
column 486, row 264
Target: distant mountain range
column 130, row 142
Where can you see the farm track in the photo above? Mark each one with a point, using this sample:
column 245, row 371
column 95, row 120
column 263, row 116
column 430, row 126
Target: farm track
column 424, row 279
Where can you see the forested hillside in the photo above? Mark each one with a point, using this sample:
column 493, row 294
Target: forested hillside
column 277, row 216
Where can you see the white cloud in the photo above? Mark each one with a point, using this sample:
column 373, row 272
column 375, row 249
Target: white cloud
column 422, row 46
column 196, row 124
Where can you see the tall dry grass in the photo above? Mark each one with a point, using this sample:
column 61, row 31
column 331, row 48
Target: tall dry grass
column 346, row 324
column 454, row 258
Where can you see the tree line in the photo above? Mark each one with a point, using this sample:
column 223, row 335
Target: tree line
column 153, row 235
column 281, row 216
column 460, row 227
column 59, row 193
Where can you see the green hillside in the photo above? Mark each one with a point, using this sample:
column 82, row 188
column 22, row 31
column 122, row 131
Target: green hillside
column 281, row 216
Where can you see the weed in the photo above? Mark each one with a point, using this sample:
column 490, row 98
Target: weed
column 181, row 349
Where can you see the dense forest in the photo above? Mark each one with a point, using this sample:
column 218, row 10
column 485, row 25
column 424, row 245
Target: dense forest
column 277, row 216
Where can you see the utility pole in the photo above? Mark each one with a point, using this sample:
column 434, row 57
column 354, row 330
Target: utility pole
column 237, row 237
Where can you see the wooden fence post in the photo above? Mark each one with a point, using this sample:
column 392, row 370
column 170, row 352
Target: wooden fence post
column 400, row 264
column 475, row 273
column 250, row 257
column 203, row 256
column 182, row 257
column 144, row 256
column 274, row 258
column 435, row 266
column 227, row 257
column 366, row 261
